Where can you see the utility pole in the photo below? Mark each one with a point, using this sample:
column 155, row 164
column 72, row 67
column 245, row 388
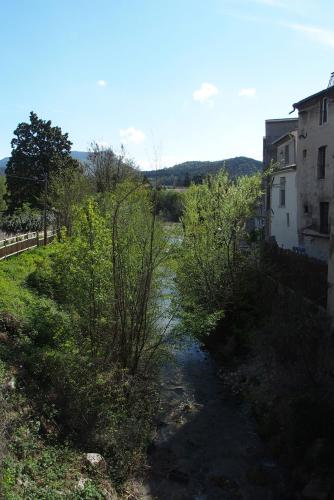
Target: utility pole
column 45, row 227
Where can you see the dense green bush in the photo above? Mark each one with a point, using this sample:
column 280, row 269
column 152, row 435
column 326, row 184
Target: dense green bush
column 168, row 204
column 25, row 219
column 213, row 257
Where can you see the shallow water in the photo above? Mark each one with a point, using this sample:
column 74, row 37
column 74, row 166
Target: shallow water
column 206, row 446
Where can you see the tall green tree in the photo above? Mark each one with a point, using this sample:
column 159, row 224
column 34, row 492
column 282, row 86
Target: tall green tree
column 107, row 169
column 39, row 150
column 109, row 272
column 67, row 191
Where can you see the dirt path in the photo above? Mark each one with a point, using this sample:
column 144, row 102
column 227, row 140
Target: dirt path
column 206, row 447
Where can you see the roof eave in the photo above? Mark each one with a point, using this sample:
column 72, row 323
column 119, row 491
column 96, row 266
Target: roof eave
column 323, row 92
column 288, row 135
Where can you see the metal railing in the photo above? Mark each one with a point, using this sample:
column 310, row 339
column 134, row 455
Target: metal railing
column 17, row 244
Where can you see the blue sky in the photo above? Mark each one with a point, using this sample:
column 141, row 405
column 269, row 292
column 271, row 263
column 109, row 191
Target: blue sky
column 173, row 80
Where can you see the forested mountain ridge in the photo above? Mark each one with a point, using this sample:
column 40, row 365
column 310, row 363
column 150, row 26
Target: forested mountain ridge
column 77, row 155
column 3, row 163
column 184, row 173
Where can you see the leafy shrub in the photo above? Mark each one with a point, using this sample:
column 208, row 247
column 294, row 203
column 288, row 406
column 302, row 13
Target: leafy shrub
column 48, row 324
column 25, row 219
column 42, row 279
column 168, row 204
column 213, row 257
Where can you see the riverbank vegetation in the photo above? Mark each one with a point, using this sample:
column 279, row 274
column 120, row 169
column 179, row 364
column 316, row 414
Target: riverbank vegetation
column 81, row 338
column 214, row 256
column 275, row 345
column 83, row 327
column 82, row 335
column 168, row 204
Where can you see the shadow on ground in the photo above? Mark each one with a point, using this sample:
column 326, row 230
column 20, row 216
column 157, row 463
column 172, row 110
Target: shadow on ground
column 206, row 446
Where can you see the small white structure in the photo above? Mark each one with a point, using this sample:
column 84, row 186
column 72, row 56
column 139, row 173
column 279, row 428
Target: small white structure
column 283, row 193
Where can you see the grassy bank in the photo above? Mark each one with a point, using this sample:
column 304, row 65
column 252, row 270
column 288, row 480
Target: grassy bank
column 36, row 463
column 54, row 407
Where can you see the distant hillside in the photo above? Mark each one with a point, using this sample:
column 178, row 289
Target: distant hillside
column 78, row 155
column 3, row 164
column 184, row 173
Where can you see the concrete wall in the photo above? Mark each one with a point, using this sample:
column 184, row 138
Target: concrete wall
column 315, row 246
column 312, row 190
column 286, row 235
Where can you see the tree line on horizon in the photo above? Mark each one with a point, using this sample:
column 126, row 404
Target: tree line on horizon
column 42, row 175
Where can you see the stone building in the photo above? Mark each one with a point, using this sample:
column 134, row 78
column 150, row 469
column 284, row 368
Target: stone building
column 315, row 171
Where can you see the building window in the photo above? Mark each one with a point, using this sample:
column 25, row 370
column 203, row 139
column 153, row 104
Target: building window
column 324, row 219
column 288, row 219
column 323, row 110
column 304, row 154
column 321, row 162
column 282, row 192
column 286, row 155
column 306, row 208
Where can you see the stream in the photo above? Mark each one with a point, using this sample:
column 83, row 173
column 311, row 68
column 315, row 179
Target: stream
column 206, row 445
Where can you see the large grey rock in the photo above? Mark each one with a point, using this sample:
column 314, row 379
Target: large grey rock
column 96, row 461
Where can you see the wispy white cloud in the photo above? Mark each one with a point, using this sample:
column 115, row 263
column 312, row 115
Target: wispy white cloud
column 132, row 135
column 316, row 34
column 205, row 93
column 102, row 83
column 249, row 92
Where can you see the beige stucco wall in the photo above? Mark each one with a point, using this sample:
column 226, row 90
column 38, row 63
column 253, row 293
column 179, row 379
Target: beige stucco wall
column 311, row 190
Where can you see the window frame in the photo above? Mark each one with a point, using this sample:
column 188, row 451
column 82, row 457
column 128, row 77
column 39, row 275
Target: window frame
column 323, row 111
column 321, row 162
column 282, row 189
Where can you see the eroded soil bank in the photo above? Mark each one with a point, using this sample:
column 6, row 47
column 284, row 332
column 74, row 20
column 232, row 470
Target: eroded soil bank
column 206, row 446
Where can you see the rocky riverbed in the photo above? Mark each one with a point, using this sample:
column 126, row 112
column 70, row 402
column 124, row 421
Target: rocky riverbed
column 206, row 446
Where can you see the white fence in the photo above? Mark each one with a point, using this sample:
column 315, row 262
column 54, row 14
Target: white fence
column 22, row 242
